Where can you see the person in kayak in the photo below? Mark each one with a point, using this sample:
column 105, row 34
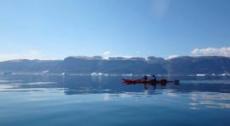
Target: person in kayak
column 154, row 78
column 145, row 77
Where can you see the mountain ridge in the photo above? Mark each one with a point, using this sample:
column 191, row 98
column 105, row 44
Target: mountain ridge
column 120, row 65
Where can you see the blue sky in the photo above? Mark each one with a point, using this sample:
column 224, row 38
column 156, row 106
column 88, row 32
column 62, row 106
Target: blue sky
column 54, row 29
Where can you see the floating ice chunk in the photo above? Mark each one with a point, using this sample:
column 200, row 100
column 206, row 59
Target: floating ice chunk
column 225, row 74
column 200, row 75
column 98, row 74
column 213, row 74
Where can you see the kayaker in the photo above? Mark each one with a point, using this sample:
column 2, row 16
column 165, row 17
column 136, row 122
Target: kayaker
column 154, row 77
column 145, row 77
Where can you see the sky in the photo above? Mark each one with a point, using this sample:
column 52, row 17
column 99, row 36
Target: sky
column 55, row 29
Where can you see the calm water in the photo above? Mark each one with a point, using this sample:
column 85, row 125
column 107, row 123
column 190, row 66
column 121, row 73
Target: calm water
column 105, row 101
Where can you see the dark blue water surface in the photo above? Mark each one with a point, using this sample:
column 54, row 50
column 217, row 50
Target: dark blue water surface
column 53, row 100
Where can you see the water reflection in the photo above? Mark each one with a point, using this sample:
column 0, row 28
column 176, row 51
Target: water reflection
column 90, row 84
column 200, row 93
column 209, row 100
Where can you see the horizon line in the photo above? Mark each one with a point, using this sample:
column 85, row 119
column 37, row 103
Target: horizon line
column 107, row 58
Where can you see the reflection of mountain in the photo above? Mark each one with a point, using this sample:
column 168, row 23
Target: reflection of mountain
column 180, row 65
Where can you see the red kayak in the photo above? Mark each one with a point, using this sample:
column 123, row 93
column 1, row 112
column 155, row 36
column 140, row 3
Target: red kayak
column 151, row 82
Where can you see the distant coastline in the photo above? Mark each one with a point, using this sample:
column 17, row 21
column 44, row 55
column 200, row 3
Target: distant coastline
column 185, row 65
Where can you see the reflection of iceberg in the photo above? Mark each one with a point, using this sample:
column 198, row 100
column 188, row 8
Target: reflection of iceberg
column 45, row 72
column 225, row 74
column 99, row 74
column 63, row 74
column 96, row 74
column 105, row 74
column 40, row 83
column 213, row 74
column 127, row 75
column 200, row 75
column 209, row 100
column 112, row 74
column 4, row 87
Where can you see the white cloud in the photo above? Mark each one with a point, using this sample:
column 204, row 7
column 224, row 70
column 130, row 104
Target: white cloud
column 224, row 51
column 106, row 54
